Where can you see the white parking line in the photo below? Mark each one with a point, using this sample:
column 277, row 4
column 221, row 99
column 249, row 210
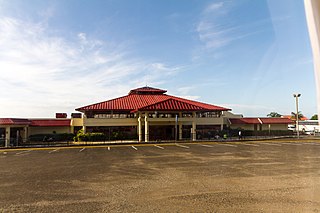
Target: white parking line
column 293, row 143
column 310, row 143
column 133, row 147
column 82, row 149
column 160, row 147
column 297, row 144
column 205, row 145
column 270, row 144
column 250, row 144
column 53, row 150
column 182, row 146
column 23, row 152
column 224, row 144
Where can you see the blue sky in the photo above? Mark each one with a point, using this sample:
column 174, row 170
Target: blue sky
column 248, row 55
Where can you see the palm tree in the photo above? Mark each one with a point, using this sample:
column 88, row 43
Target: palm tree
column 274, row 115
column 294, row 115
column 314, row 117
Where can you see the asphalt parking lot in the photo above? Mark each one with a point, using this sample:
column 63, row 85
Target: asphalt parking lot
column 269, row 176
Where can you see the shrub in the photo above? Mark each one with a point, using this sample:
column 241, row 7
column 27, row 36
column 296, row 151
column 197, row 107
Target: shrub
column 89, row 136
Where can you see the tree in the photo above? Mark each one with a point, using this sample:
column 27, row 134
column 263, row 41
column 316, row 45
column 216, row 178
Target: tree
column 294, row 115
column 314, row 117
column 274, row 115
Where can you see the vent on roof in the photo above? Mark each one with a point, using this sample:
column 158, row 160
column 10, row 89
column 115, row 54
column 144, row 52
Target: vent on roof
column 147, row 91
column 61, row 115
column 75, row 115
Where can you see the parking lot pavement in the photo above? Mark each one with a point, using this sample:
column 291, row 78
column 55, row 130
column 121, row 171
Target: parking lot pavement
column 191, row 177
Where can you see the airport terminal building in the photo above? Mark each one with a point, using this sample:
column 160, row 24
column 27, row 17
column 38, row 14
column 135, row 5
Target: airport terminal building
column 145, row 114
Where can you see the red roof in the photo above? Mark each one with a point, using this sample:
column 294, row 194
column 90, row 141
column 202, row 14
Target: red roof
column 276, row 121
column 150, row 99
column 50, row 122
column 260, row 121
column 293, row 118
column 244, row 121
column 14, row 121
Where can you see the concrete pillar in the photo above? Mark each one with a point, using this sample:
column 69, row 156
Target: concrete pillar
column 221, row 127
column 193, row 132
column 71, row 126
column 180, row 131
column 7, row 143
column 312, row 8
column 146, row 128
column 84, row 128
column 140, row 128
column 25, row 134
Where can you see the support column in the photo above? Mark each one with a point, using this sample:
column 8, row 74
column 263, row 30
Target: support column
column 71, row 126
column 25, row 134
column 193, row 131
column 221, row 127
column 180, row 131
column 84, row 128
column 7, row 142
column 146, row 128
column 139, row 128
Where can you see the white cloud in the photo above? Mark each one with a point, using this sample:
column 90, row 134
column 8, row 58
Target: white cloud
column 214, row 7
column 41, row 74
column 217, row 29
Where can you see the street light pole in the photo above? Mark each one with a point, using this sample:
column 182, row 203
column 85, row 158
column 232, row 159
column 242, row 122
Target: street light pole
column 297, row 113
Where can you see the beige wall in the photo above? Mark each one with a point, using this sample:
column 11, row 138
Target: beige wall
column 110, row 122
column 264, row 126
column 243, row 126
column 76, row 121
column 152, row 121
column 275, row 127
column 47, row 130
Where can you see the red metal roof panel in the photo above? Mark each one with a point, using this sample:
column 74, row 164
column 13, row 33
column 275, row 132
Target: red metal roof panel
column 276, row 121
column 50, row 122
column 244, row 121
column 14, row 121
column 135, row 102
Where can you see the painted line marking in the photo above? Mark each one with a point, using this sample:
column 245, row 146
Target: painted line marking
column 54, row 150
column 270, row 144
column 227, row 145
column 23, row 152
column 108, row 148
column 82, row 149
column 250, row 144
column 310, row 143
column 182, row 146
column 297, row 144
column 205, row 145
column 133, row 147
column 160, row 147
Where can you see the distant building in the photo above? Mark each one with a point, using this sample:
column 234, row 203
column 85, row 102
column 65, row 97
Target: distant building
column 145, row 114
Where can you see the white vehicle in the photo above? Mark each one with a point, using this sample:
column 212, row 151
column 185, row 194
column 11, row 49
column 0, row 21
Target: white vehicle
column 309, row 126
